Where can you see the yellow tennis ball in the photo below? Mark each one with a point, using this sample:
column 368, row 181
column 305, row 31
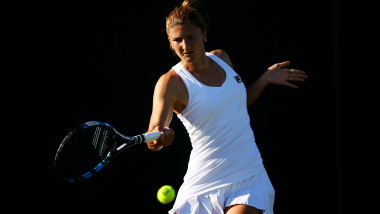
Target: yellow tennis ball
column 166, row 194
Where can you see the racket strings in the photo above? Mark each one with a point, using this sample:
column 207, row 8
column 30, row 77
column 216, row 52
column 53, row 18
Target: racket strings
column 100, row 140
column 84, row 150
column 95, row 138
column 104, row 144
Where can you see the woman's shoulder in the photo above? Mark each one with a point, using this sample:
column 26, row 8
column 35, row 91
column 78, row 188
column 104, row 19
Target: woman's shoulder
column 223, row 55
column 171, row 79
column 171, row 83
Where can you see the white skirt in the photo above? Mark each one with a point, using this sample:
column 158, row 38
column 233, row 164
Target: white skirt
column 256, row 191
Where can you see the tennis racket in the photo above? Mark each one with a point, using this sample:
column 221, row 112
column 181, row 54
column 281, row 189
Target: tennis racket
column 91, row 146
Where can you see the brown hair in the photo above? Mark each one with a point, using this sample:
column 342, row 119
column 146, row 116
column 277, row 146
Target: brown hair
column 187, row 13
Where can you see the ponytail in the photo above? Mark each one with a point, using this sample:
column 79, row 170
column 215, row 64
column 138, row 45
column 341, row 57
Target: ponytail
column 190, row 12
column 191, row 3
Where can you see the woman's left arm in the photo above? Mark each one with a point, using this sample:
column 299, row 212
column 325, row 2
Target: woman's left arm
column 276, row 74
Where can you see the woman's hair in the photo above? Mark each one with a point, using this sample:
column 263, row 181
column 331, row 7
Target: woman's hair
column 187, row 13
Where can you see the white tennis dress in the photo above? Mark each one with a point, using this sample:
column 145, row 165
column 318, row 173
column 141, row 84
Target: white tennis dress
column 224, row 159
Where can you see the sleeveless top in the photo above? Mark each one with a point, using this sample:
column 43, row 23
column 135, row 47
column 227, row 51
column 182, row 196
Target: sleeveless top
column 217, row 121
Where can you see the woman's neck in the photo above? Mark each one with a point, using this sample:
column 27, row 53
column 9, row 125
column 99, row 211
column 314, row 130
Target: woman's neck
column 200, row 67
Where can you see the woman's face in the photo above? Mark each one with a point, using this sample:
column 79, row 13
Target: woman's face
column 187, row 41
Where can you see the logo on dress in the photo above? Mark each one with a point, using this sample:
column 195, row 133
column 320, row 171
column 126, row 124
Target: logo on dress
column 238, row 79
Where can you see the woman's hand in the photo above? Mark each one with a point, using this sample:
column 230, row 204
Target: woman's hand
column 166, row 138
column 279, row 75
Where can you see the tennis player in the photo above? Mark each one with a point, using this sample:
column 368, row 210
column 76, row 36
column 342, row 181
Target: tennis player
column 225, row 171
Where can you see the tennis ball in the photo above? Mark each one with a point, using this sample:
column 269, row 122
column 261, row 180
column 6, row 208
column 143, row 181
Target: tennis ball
column 166, row 194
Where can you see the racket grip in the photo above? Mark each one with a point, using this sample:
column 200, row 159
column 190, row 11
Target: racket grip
column 151, row 136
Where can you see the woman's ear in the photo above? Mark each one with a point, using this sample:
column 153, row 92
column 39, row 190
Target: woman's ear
column 170, row 45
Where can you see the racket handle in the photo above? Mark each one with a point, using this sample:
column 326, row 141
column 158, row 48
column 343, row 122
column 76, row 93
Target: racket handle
column 151, row 136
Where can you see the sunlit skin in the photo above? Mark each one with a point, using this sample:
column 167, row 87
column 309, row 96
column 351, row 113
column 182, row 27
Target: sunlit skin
column 188, row 43
column 171, row 95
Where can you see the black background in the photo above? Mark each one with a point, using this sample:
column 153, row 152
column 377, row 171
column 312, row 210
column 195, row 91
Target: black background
column 78, row 61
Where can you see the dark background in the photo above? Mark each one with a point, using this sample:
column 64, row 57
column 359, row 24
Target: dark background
column 81, row 61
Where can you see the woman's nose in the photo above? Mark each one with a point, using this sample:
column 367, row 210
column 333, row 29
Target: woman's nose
column 185, row 44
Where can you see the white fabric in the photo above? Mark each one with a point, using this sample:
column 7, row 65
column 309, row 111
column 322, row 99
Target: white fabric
column 224, row 150
column 255, row 191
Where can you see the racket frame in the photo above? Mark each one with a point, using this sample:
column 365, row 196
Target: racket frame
column 128, row 141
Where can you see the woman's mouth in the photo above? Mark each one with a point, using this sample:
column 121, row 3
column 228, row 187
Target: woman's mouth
column 188, row 53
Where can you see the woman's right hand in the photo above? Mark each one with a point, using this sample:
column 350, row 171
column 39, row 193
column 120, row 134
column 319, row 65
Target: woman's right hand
column 166, row 138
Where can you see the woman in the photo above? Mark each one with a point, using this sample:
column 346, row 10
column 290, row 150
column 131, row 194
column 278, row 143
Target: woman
column 225, row 172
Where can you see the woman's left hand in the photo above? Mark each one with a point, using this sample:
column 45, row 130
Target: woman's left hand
column 279, row 75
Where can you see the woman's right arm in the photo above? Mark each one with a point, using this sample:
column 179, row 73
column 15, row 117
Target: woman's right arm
column 163, row 99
